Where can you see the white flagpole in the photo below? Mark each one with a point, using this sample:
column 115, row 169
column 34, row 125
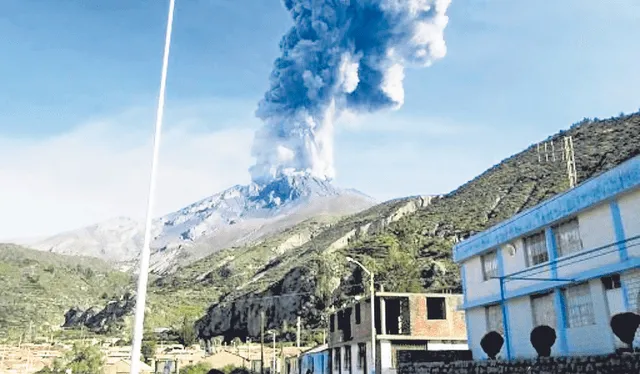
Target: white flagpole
column 143, row 275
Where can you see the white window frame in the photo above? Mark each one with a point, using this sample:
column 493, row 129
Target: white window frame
column 494, row 312
column 537, row 301
column 578, row 303
column 567, row 237
column 534, row 251
column 490, row 258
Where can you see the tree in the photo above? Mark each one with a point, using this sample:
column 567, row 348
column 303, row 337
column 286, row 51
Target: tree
column 491, row 344
column 82, row 359
column 236, row 342
column 148, row 349
column 199, row 368
column 187, row 333
column 542, row 339
column 625, row 325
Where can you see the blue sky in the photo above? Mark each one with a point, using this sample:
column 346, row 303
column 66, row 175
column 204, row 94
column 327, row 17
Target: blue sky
column 80, row 81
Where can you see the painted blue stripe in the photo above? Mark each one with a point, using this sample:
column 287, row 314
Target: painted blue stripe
column 553, row 251
column 468, row 328
column 463, row 274
column 622, row 178
column 561, row 328
column 632, row 262
column 618, row 228
column 504, row 306
column 500, row 261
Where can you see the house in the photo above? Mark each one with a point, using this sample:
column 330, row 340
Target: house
column 314, row 361
column 224, row 358
column 571, row 262
column 403, row 321
column 121, row 366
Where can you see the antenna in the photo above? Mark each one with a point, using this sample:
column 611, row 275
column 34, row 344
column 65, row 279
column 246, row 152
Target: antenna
column 568, row 156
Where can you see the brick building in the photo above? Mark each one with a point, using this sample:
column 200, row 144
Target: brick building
column 403, row 321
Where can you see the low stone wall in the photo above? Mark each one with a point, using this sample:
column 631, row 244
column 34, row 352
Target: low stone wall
column 433, row 356
column 613, row 364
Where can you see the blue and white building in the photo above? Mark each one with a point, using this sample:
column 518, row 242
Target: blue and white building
column 315, row 361
column 570, row 262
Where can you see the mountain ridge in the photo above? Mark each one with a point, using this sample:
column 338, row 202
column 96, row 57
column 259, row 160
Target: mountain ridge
column 231, row 217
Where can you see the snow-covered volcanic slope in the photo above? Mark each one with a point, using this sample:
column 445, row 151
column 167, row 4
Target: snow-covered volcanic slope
column 236, row 216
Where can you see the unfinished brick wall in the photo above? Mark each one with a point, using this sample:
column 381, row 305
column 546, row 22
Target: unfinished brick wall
column 451, row 328
column 613, row 364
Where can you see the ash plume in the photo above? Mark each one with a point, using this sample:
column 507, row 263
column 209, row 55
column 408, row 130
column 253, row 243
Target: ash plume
column 340, row 55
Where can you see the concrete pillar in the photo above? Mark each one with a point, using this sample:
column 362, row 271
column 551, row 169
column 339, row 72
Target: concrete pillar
column 383, row 317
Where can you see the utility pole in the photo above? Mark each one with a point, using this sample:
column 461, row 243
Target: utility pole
column 568, row 156
column 571, row 161
column 262, row 342
column 273, row 334
column 298, row 334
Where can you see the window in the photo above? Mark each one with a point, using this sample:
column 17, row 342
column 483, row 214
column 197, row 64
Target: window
column 436, row 308
column 611, row 282
column 568, row 237
column 543, row 310
column 358, row 314
column 490, row 265
column 332, row 322
column 536, row 248
column 494, row 318
column 336, row 359
column 578, row 306
column 362, row 355
column 347, row 358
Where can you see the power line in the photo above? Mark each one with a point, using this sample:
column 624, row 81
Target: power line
column 578, row 257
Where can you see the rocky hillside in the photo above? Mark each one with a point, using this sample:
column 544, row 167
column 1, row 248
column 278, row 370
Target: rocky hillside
column 237, row 216
column 38, row 288
column 412, row 252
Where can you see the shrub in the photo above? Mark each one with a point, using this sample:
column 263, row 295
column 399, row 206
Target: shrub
column 199, row 368
column 187, row 333
column 542, row 339
column 148, row 350
column 625, row 325
column 491, row 344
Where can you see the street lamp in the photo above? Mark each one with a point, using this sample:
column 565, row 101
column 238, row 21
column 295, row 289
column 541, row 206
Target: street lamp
column 373, row 320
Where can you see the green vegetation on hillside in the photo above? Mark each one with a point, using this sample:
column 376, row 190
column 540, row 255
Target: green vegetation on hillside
column 39, row 287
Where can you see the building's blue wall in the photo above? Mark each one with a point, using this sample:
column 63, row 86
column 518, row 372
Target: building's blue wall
column 315, row 363
column 606, row 186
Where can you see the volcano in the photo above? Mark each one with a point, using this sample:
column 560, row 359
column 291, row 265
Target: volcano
column 237, row 216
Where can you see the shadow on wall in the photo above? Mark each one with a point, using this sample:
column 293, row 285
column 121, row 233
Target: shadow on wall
column 624, row 326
